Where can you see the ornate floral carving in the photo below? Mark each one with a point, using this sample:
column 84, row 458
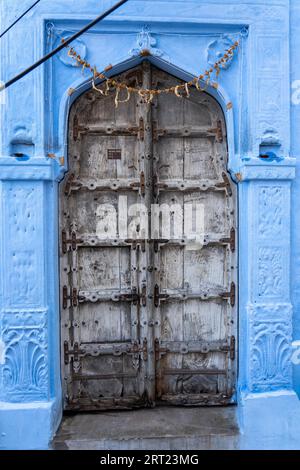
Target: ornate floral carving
column 270, row 272
column 270, row 347
column 25, row 370
column 217, row 48
column 145, row 44
column 271, row 212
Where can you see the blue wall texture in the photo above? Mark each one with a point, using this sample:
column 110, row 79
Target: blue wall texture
column 260, row 96
column 295, row 151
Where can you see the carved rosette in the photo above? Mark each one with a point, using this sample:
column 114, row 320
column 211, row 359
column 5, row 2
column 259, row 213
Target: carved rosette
column 216, row 49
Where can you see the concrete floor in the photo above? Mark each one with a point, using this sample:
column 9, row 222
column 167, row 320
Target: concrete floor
column 164, row 428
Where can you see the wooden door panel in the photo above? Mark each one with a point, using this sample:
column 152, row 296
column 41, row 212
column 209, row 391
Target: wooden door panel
column 97, row 158
column 205, row 266
column 152, row 319
column 194, row 345
column 191, row 269
column 193, row 321
column 205, row 321
column 105, row 322
column 189, row 158
column 216, row 218
column 103, row 350
column 199, row 159
column 91, row 207
column 106, row 268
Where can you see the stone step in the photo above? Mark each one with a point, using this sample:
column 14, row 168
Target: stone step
column 163, row 428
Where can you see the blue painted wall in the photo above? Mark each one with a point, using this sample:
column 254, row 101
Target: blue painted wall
column 295, row 151
column 261, row 117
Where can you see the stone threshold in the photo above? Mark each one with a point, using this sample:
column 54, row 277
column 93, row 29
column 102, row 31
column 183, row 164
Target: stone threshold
column 161, row 428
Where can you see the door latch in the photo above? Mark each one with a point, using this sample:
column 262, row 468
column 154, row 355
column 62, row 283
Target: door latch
column 158, row 296
column 73, row 297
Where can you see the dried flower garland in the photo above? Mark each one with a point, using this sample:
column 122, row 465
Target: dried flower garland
column 148, row 94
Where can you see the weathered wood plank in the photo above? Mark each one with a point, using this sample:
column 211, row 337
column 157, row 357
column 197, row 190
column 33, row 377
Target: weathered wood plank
column 126, row 348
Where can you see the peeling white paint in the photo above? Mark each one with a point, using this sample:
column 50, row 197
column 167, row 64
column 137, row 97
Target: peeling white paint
column 2, row 352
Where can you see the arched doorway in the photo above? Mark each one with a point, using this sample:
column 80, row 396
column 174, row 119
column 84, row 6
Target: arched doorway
column 148, row 318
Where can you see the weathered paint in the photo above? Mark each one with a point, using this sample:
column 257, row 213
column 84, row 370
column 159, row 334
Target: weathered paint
column 2, row 352
column 34, row 123
column 193, row 328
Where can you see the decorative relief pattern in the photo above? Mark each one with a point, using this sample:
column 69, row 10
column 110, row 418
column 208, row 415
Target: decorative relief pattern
column 263, row 173
column 271, row 120
column 57, row 35
column 270, row 347
column 270, row 356
column 23, row 235
column 25, row 371
column 22, row 278
column 269, row 96
column 81, row 49
column 270, row 320
column 271, row 212
column 217, row 48
column 145, row 44
column 269, row 49
column 270, row 272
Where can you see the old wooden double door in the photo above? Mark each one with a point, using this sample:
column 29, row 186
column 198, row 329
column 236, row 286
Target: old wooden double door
column 147, row 319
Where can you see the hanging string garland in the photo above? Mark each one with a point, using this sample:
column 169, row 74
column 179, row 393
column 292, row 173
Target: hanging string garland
column 146, row 93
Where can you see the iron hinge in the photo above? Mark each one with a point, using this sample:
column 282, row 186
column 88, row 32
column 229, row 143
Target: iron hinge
column 72, row 296
column 159, row 351
column 145, row 349
column 225, row 184
column 69, row 183
column 136, row 348
column 157, row 133
column 144, row 296
column 230, row 295
column 75, row 128
column 74, row 352
column 142, row 183
column 159, row 242
column 65, row 241
column 231, row 240
column 133, row 296
column 158, row 296
column 135, row 242
column 232, row 348
column 141, row 130
column 218, row 131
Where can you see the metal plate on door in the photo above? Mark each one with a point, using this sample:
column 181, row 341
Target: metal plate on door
column 114, row 154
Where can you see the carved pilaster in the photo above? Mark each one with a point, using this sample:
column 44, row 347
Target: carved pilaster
column 269, row 312
column 23, row 315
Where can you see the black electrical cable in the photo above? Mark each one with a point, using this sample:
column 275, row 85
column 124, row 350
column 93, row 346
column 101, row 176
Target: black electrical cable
column 18, row 19
column 64, row 44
